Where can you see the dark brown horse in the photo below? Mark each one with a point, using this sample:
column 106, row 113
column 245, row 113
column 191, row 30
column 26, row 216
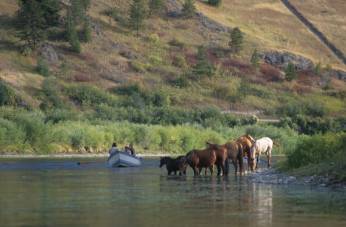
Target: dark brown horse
column 199, row 159
column 174, row 165
column 229, row 151
column 221, row 157
column 247, row 142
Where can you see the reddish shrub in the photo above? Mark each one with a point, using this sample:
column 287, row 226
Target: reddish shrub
column 271, row 73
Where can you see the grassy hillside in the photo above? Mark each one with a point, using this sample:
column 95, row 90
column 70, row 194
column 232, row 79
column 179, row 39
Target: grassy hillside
column 152, row 79
column 270, row 25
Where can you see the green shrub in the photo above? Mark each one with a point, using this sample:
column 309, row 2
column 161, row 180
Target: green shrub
column 316, row 149
column 214, row 2
column 7, row 95
column 42, row 67
column 89, row 95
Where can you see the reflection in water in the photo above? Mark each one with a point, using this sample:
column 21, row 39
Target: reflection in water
column 58, row 192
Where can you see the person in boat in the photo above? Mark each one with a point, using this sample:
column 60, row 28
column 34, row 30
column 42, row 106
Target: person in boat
column 114, row 149
column 130, row 150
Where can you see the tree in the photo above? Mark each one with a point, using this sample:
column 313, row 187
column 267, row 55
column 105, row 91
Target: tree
column 203, row 66
column 236, row 42
column 189, row 8
column 290, row 72
column 32, row 23
column 155, row 7
column 72, row 34
column 214, row 2
column 137, row 15
column 255, row 59
column 51, row 9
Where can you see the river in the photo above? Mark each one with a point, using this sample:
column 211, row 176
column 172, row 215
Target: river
column 58, row 192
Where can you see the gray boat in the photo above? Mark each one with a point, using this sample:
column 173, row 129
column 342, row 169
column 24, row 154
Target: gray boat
column 123, row 159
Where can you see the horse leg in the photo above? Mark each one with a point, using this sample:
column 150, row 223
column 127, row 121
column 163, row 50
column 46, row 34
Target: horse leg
column 235, row 164
column 241, row 164
column 218, row 169
column 211, row 169
column 269, row 157
column 257, row 161
column 200, row 170
column 226, row 167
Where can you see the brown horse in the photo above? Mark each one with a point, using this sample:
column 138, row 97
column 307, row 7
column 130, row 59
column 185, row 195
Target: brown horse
column 247, row 142
column 230, row 150
column 235, row 153
column 221, row 157
column 174, row 165
column 199, row 159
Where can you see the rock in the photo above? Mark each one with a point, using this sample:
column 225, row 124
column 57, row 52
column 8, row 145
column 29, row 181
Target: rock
column 174, row 8
column 48, row 52
column 96, row 28
column 125, row 51
column 341, row 75
column 282, row 59
column 211, row 24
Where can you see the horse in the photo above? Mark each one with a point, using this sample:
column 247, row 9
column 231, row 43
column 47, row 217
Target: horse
column 263, row 145
column 174, row 165
column 199, row 159
column 221, row 157
column 247, row 142
column 234, row 152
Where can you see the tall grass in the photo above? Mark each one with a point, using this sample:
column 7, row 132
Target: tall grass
column 24, row 131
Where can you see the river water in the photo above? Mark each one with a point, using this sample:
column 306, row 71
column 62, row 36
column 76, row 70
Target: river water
column 58, row 192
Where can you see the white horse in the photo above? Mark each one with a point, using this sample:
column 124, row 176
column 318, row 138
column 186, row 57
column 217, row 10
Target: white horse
column 263, row 145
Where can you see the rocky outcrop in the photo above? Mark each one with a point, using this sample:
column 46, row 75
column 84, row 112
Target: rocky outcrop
column 281, row 59
column 48, row 52
column 174, row 8
column 211, row 24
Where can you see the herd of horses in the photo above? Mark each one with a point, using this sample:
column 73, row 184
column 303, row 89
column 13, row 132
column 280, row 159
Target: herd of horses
column 220, row 155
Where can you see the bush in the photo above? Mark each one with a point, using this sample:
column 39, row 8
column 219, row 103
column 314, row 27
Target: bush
column 89, row 95
column 42, row 67
column 214, row 2
column 7, row 95
column 316, row 149
column 189, row 8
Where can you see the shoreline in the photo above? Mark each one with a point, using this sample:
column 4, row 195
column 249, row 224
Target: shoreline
column 76, row 155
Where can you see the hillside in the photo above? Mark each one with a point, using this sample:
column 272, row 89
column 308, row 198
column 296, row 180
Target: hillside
column 162, row 76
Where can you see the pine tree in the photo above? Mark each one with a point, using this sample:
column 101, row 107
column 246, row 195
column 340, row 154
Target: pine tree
column 255, row 59
column 189, row 8
column 137, row 15
column 290, row 72
column 236, row 42
column 51, row 9
column 155, row 7
column 72, row 34
column 32, row 23
column 203, row 66
column 86, row 31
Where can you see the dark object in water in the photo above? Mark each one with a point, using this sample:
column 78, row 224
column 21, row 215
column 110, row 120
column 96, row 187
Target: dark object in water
column 174, row 165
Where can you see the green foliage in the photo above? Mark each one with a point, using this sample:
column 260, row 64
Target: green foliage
column 86, row 95
column 7, row 95
column 51, row 92
column 72, row 34
column 236, row 40
column 42, row 67
column 318, row 69
column 189, row 8
column 32, row 23
column 255, row 59
column 290, row 72
column 214, row 2
column 203, row 67
column 51, row 9
column 317, row 149
column 86, row 32
column 137, row 15
column 156, row 7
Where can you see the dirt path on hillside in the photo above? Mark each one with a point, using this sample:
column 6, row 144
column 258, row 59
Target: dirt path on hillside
column 323, row 38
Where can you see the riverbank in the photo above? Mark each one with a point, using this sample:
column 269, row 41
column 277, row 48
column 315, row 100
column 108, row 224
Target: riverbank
column 277, row 177
column 77, row 155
